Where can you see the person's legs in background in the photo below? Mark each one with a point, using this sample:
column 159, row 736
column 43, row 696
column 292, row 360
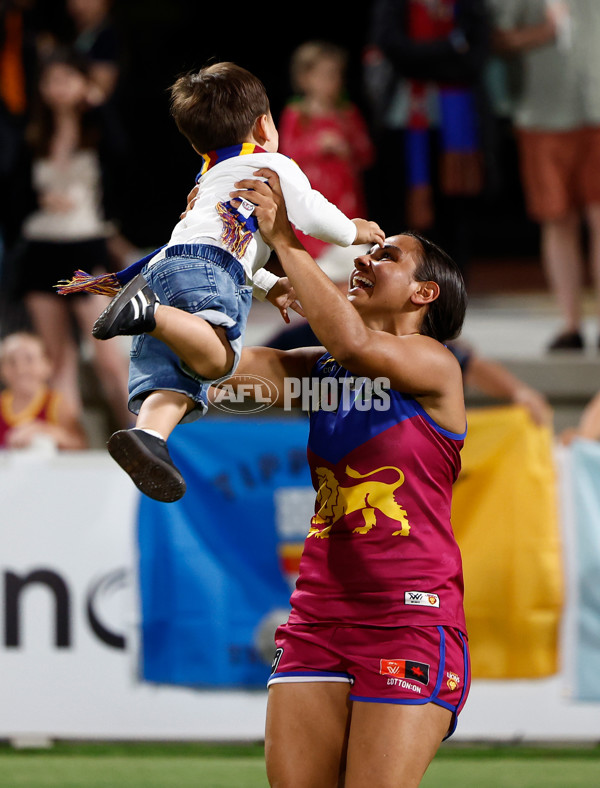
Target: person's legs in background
column 111, row 363
column 51, row 320
column 550, row 164
column 592, row 213
column 563, row 263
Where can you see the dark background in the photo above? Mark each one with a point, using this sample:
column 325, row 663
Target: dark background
column 162, row 38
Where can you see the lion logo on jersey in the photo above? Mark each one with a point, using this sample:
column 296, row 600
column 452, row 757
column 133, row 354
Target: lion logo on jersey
column 367, row 497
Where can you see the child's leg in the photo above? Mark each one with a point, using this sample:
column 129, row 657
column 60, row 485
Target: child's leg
column 142, row 452
column 202, row 346
column 162, row 411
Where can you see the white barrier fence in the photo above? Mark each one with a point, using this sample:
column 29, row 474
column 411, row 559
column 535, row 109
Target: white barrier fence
column 68, row 635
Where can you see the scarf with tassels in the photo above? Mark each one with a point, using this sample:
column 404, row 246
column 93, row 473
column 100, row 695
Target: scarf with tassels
column 460, row 158
column 238, row 228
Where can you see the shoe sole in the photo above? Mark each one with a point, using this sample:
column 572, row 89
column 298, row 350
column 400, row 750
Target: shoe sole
column 104, row 323
column 156, row 479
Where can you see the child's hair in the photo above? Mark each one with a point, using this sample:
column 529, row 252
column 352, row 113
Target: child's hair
column 41, row 125
column 217, row 106
column 307, row 55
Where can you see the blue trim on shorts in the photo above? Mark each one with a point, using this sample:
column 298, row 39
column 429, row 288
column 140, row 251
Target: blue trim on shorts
column 433, row 698
column 212, row 254
column 466, row 670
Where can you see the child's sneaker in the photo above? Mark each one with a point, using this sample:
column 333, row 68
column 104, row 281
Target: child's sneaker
column 146, row 459
column 130, row 312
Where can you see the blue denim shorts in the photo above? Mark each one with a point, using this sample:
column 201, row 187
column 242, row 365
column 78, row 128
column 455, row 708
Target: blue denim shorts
column 206, row 281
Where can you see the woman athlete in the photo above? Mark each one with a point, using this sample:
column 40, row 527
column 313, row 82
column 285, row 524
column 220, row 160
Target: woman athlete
column 372, row 668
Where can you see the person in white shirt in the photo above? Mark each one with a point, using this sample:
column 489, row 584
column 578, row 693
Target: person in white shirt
column 211, row 266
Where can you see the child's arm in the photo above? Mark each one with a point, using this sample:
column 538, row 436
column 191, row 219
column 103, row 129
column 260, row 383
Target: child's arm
column 313, row 214
column 277, row 290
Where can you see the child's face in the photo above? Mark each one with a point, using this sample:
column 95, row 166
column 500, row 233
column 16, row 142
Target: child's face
column 23, row 364
column 324, row 81
column 63, row 87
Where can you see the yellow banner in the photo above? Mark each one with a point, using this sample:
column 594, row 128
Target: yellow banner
column 505, row 517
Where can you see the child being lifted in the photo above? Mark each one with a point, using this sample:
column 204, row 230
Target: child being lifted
column 211, row 267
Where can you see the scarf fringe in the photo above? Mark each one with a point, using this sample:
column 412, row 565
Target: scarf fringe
column 235, row 236
column 106, row 284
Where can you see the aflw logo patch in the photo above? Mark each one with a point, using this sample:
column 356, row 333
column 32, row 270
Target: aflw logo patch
column 421, row 598
column 405, row 669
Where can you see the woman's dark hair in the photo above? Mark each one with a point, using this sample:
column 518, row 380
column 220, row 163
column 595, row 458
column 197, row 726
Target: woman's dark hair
column 41, row 125
column 444, row 318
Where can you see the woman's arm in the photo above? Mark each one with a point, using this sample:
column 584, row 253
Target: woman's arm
column 414, row 364
column 281, row 368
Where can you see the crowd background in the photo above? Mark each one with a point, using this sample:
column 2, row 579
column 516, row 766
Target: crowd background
column 445, row 161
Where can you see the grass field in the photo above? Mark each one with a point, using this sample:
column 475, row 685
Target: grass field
column 242, row 766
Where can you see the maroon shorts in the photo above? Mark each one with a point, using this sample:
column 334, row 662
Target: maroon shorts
column 405, row 665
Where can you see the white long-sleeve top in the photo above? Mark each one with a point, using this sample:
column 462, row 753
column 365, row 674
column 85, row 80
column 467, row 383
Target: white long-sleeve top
column 308, row 210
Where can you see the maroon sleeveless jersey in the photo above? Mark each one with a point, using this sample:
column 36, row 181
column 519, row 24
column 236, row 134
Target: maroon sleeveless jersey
column 380, row 549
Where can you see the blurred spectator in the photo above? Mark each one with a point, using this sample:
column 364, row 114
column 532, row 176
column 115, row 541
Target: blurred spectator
column 557, row 116
column 17, row 76
column 30, row 412
column 495, row 380
column 424, row 73
column 67, row 231
column 327, row 136
column 588, row 426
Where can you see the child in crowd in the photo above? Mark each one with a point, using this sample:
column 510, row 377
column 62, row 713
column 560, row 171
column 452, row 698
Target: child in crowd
column 325, row 133
column 211, row 266
column 29, row 409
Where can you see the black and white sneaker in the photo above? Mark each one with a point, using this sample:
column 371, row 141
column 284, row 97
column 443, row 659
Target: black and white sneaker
column 130, row 312
column 146, row 459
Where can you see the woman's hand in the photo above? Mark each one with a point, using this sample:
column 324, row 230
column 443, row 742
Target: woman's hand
column 191, row 199
column 270, row 210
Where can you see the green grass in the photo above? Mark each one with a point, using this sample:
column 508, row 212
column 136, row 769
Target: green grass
column 147, row 765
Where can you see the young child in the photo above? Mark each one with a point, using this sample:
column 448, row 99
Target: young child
column 211, row 266
column 28, row 407
column 327, row 136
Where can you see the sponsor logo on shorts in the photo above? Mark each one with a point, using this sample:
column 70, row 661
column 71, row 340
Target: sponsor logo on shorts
column 421, row 598
column 404, row 684
column 276, row 658
column 452, row 680
column 405, row 669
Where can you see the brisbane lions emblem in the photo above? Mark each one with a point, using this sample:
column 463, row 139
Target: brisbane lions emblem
column 368, row 497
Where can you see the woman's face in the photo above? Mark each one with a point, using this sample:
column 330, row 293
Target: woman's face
column 383, row 279
column 63, row 87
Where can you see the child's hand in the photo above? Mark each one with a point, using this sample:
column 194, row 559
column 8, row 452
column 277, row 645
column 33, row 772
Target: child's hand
column 368, row 232
column 283, row 296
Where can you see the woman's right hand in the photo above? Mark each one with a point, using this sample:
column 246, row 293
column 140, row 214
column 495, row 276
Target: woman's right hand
column 270, row 209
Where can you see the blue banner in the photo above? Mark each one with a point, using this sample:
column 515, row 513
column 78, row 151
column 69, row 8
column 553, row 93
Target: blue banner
column 216, row 567
column 586, row 497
